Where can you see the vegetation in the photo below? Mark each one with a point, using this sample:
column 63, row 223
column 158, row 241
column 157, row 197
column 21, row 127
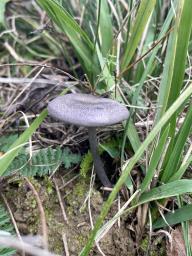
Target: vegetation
column 137, row 52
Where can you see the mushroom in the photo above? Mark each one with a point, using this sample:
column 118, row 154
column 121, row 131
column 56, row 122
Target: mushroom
column 91, row 112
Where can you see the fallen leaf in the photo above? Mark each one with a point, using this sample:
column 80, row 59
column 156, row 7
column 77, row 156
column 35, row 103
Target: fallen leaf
column 177, row 246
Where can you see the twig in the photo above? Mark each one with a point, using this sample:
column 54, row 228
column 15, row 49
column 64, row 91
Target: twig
column 145, row 54
column 40, row 65
column 64, row 237
column 151, row 122
column 89, row 208
column 119, row 208
column 60, row 201
column 10, row 241
column 108, row 225
column 22, row 91
column 18, row 80
column 42, row 214
column 68, row 182
column 13, row 52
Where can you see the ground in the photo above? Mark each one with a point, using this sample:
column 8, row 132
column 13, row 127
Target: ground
column 118, row 241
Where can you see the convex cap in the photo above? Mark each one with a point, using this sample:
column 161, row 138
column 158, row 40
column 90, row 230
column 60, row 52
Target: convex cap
column 87, row 110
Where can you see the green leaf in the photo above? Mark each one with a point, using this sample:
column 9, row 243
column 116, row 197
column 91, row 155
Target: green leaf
column 130, row 164
column 165, row 85
column 105, row 28
column 165, row 191
column 106, row 75
column 42, row 162
column 176, row 63
column 178, row 216
column 77, row 36
column 156, row 156
column 151, row 61
column 180, row 142
column 131, row 131
column 133, row 136
column 16, row 147
column 179, row 173
column 6, row 141
column 2, row 11
column 145, row 9
column 184, row 31
column 111, row 147
column 69, row 158
column 5, row 226
column 170, row 189
column 186, row 230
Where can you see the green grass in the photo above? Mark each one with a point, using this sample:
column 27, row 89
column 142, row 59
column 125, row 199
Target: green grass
column 120, row 53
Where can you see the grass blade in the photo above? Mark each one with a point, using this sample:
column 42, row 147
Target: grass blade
column 105, row 28
column 170, row 189
column 176, row 105
column 145, row 9
column 184, row 31
column 131, row 132
column 61, row 17
column 185, row 229
column 83, row 45
column 176, row 154
column 178, row 216
column 6, row 159
column 151, row 61
column 105, row 74
column 133, row 136
column 175, row 64
column 16, row 147
column 164, row 191
column 2, row 11
column 156, row 156
column 182, row 169
column 165, row 85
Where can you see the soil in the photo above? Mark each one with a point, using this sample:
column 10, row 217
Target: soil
column 118, row 241
column 26, row 213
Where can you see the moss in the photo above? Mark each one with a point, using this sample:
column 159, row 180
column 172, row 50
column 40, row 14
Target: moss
column 27, row 207
column 77, row 230
column 153, row 249
column 55, row 230
column 48, row 184
column 81, row 188
column 144, row 244
column 81, row 240
column 75, row 198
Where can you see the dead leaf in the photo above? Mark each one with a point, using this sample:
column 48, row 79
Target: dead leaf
column 177, row 246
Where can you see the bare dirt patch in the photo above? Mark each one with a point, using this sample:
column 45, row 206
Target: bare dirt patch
column 23, row 204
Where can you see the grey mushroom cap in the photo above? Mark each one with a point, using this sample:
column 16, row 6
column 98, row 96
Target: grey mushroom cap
column 87, row 110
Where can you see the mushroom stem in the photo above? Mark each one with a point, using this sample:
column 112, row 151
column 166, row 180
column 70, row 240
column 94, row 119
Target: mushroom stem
column 96, row 158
